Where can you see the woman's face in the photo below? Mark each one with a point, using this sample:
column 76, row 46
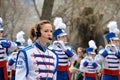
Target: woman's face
column 80, row 52
column 115, row 42
column 63, row 38
column 46, row 33
column 92, row 55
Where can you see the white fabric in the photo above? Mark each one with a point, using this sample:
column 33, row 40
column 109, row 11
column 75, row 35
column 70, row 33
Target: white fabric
column 61, row 44
column 34, row 65
column 110, row 62
column 89, row 68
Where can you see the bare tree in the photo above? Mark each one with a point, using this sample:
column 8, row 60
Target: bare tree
column 36, row 9
column 46, row 11
column 87, row 20
column 13, row 17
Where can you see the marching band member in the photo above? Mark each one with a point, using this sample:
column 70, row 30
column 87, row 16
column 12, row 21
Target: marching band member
column 12, row 57
column 5, row 46
column 88, row 65
column 65, row 53
column 110, row 55
column 37, row 62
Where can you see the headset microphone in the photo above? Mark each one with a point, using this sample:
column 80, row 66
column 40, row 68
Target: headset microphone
column 50, row 38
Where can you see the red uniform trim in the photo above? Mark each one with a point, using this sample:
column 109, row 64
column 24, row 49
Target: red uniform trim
column 90, row 75
column 3, row 66
column 110, row 72
column 119, row 75
column 13, row 72
column 65, row 68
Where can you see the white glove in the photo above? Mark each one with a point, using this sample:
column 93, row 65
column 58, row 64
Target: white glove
column 114, row 48
column 61, row 44
column 111, row 47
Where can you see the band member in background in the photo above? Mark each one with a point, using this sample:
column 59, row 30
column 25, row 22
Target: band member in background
column 88, row 65
column 12, row 57
column 65, row 53
column 37, row 62
column 5, row 46
column 110, row 55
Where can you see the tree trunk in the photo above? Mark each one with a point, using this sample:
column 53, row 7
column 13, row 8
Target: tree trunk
column 47, row 9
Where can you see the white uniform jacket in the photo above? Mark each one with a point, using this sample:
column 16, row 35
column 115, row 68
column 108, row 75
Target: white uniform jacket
column 36, row 63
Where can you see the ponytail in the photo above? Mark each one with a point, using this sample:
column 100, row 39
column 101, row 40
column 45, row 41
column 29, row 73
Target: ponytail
column 33, row 36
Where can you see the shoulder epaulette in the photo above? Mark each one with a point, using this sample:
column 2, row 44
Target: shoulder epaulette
column 28, row 47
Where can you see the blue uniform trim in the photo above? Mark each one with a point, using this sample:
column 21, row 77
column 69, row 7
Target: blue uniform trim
column 25, row 55
column 85, row 63
column 45, row 71
column 104, row 54
column 39, row 46
column 2, row 52
column 1, row 74
column 63, row 57
column 2, row 49
column 28, row 47
column 68, row 53
column 56, row 61
column 118, row 54
column 114, row 62
column 113, row 67
column 46, row 78
column 5, row 44
column 109, row 77
column 42, row 56
column 11, row 62
column 69, row 48
column 1, row 57
column 47, row 63
column 89, row 78
column 26, row 60
column 63, row 62
column 94, row 65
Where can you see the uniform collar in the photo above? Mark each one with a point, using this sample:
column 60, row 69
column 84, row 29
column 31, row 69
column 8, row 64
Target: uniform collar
column 38, row 45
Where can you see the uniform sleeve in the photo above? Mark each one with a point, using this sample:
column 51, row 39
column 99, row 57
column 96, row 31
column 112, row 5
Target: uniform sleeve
column 74, row 57
column 82, row 67
column 99, row 58
column 12, row 60
column 13, row 46
column 98, row 67
column 55, row 76
column 20, row 68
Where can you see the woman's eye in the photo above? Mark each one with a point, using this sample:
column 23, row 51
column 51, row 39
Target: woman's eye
column 46, row 31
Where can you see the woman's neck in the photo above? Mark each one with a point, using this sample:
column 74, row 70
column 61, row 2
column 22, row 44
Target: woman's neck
column 41, row 42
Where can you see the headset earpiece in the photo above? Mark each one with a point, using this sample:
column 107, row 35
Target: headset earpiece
column 38, row 33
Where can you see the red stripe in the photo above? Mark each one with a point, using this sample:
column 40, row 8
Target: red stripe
column 119, row 75
column 65, row 68
column 3, row 66
column 92, row 75
column 110, row 72
column 3, row 63
column 13, row 72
